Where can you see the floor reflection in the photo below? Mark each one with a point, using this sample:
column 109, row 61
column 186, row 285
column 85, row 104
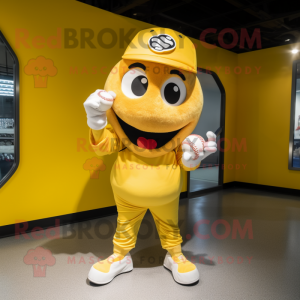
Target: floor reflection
column 204, row 178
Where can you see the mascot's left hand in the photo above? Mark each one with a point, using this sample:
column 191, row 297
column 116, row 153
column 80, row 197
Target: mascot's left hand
column 195, row 149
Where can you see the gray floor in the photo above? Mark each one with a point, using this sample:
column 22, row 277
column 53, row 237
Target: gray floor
column 225, row 271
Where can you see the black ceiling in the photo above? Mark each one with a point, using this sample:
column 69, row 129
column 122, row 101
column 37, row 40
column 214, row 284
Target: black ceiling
column 278, row 21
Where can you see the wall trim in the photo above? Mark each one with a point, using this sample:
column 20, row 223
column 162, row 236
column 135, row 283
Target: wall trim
column 261, row 187
column 9, row 230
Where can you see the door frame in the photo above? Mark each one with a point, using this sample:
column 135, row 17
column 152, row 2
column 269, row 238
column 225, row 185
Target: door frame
column 221, row 145
column 293, row 113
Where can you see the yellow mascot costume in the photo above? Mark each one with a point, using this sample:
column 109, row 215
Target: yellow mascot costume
column 153, row 101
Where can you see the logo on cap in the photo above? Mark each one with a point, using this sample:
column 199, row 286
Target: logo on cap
column 161, row 43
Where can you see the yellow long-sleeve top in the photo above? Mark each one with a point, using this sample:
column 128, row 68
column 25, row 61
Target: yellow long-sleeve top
column 153, row 181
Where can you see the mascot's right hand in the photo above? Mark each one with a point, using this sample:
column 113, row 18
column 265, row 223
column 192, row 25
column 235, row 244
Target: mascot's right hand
column 195, row 149
column 96, row 106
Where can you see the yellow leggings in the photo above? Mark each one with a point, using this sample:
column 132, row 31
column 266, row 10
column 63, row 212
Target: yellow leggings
column 131, row 216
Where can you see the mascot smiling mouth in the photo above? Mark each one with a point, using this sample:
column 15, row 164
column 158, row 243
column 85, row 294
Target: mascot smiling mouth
column 146, row 140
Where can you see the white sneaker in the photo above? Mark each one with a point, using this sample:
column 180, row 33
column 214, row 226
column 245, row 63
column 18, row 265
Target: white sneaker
column 184, row 272
column 106, row 270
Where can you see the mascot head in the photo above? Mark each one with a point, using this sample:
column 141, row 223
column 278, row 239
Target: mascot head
column 159, row 98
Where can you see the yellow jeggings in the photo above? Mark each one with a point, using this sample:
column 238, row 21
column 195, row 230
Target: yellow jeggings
column 130, row 218
column 139, row 184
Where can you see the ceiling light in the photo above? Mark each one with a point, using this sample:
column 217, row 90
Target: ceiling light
column 294, row 51
column 287, row 40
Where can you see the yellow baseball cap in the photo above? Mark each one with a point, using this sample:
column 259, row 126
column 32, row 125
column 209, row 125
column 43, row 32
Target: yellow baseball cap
column 165, row 46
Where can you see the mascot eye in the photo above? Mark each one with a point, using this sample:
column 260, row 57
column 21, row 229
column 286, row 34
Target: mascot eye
column 173, row 91
column 134, row 83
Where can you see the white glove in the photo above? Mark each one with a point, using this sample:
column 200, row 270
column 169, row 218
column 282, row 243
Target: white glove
column 96, row 106
column 195, row 149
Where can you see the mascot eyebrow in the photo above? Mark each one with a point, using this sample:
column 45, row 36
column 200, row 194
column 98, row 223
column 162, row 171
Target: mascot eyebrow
column 137, row 65
column 178, row 73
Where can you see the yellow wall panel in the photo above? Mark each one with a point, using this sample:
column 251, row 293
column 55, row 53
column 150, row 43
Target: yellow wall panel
column 263, row 117
column 51, row 180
